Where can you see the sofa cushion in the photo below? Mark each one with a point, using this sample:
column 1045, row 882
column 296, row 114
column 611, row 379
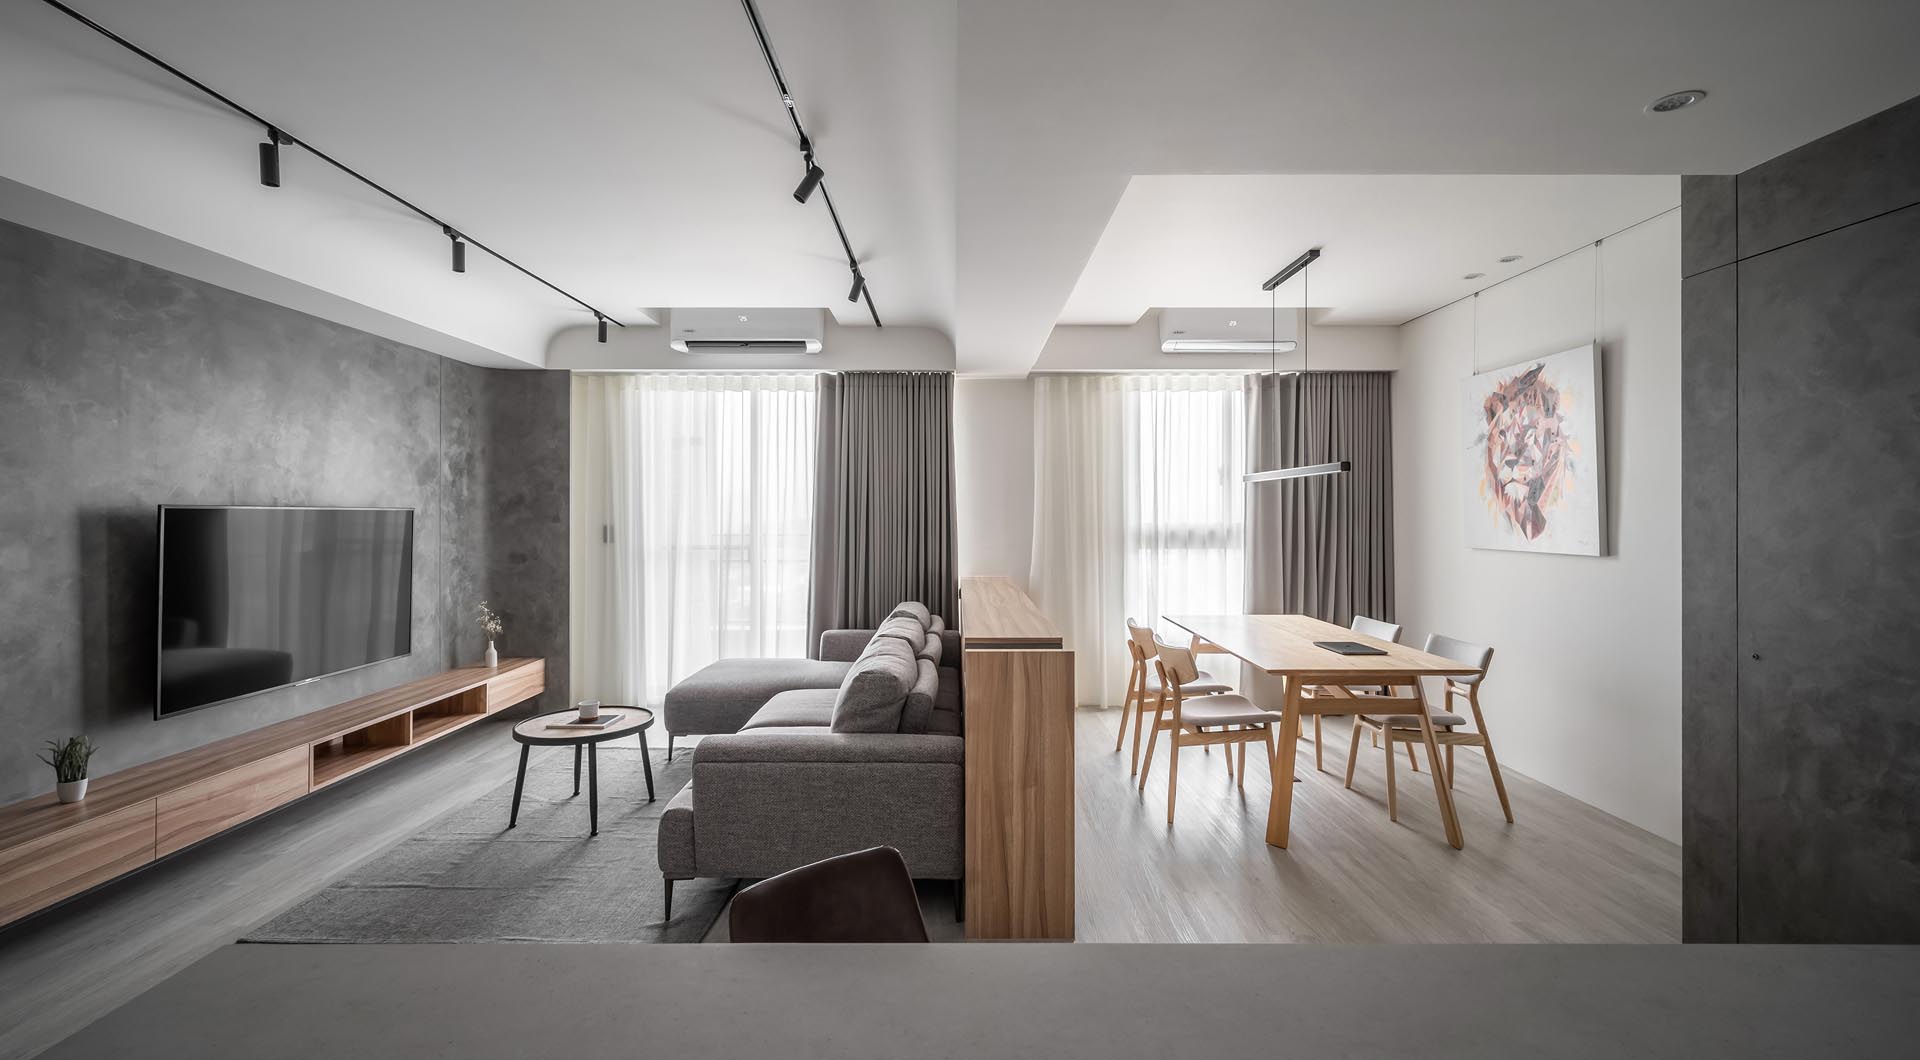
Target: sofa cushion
column 798, row 706
column 931, row 647
column 946, row 718
column 722, row 696
column 904, row 628
column 937, row 624
column 876, row 688
column 918, row 709
column 912, row 609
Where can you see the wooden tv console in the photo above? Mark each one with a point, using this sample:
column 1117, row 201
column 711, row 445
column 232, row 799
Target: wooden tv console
column 50, row 851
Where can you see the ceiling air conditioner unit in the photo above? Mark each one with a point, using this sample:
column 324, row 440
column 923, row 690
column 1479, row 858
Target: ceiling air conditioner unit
column 747, row 330
column 1226, row 330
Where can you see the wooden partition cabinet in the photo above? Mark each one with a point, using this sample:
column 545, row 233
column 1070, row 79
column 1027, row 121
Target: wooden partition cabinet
column 50, row 850
column 1019, row 772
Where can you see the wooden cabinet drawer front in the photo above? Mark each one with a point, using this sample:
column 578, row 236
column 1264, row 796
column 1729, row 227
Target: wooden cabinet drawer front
column 39, row 873
column 517, row 685
column 211, row 806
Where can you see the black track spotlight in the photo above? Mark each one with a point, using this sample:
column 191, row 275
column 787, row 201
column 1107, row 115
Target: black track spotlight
column 809, row 182
column 270, row 159
column 459, row 249
column 603, row 326
column 859, row 287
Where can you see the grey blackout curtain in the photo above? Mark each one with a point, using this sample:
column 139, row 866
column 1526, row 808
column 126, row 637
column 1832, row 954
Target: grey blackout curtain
column 883, row 523
column 1321, row 546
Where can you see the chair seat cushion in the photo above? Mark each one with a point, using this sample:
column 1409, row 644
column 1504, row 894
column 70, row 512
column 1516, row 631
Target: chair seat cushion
column 1224, row 710
column 1202, row 684
column 1412, row 721
column 798, row 706
column 722, row 696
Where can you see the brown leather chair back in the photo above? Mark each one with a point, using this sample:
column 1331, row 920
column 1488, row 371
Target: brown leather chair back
column 866, row 896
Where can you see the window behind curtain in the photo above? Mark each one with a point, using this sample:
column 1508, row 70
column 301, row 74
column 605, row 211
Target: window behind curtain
column 692, row 527
column 1139, row 509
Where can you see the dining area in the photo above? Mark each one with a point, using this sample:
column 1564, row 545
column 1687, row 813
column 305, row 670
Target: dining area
column 1256, row 784
column 1265, row 676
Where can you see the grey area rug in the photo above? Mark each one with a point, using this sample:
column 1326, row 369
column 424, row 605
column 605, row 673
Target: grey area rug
column 466, row 878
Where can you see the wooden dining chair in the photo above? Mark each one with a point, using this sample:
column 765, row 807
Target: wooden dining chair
column 1201, row 720
column 1371, row 627
column 1143, row 686
column 1449, row 731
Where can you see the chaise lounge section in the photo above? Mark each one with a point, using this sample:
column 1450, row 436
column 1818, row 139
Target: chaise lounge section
column 811, row 769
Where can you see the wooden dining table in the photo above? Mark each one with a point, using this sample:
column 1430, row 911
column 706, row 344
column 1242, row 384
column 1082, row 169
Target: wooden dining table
column 1280, row 658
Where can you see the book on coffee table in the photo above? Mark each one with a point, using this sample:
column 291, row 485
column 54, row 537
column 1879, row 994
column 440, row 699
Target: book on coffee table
column 600, row 722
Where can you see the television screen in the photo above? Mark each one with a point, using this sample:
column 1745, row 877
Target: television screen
column 253, row 599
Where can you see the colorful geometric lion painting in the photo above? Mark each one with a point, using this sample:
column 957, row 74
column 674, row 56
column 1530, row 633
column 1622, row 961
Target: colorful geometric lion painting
column 1532, row 428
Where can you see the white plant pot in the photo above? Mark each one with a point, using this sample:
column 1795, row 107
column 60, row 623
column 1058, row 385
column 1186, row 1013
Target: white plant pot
column 493, row 657
column 72, row 790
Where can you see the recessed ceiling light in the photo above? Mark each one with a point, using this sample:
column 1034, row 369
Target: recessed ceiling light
column 1233, row 323
column 1509, row 259
column 1473, row 275
column 1673, row 101
column 743, row 318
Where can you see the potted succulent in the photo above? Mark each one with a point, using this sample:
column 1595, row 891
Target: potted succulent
column 490, row 625
column 69, row 759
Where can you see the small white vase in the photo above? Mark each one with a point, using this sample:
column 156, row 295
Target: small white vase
column 493, row 657
column 72, row 790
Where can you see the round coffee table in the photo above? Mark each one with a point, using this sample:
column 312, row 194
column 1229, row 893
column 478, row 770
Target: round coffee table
column 539, row 731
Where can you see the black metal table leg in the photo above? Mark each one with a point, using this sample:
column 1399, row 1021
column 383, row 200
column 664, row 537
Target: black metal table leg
column 593, row 788
column 646, row 763
column 519, row 784
column 576, row 769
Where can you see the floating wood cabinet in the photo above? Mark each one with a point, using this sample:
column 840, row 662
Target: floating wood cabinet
column 1019, row 771
column 50, row 850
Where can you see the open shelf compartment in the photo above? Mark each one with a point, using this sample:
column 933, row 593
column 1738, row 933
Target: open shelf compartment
column 349, row 753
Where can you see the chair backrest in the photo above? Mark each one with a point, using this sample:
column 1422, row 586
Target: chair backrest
column 1461, row 651
column 865, row 896
column 1376, row 629
column 1140, row 641
column 1176, row 663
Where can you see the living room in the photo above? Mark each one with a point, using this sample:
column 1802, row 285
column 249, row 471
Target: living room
column 501, row 497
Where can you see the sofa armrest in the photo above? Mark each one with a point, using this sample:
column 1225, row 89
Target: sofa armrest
column 770, row 801
column 843, row 645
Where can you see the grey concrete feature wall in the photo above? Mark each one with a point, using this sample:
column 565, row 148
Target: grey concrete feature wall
column 1801, row 352
column 124, row 386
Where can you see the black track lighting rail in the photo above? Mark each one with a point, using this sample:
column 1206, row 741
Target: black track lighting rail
column 277, row 135
column 815, row 178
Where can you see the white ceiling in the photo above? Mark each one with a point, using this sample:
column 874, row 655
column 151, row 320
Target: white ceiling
column 1395, row 246
column 1060, row 103
column 633, row 151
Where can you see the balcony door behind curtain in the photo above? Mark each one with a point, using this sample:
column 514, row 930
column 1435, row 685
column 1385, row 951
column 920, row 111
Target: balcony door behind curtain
column 693, row 514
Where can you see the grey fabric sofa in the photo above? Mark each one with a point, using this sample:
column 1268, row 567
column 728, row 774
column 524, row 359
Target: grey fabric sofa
column 781, row 788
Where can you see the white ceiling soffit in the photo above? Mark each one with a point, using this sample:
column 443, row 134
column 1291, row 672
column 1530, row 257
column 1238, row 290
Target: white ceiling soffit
column 1395, row 246
column 1061, row 102
column 635, row 154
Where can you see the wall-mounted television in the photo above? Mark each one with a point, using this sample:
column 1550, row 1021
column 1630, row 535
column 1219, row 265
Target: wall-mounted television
column 254, row 599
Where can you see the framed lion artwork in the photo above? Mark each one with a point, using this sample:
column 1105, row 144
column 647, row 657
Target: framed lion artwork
column 1535, row 460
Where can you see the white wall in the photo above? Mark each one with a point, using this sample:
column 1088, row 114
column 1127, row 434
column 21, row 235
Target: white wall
column 1584, row 691
column 993, row 475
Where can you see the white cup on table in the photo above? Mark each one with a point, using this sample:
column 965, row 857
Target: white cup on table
column 589, row 709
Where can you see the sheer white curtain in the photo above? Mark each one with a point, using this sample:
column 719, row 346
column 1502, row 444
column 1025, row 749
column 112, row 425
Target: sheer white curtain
column 693, row 516
column 1138, row 509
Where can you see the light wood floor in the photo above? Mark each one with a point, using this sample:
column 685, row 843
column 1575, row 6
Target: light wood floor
column 1565, row 872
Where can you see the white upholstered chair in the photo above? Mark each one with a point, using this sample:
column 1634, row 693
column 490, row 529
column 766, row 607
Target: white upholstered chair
column 1144, row 688
column 1370, row 627
column 1201, row 720
column 1450, row 729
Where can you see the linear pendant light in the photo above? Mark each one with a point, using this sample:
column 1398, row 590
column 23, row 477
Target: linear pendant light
column 1299, row 265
